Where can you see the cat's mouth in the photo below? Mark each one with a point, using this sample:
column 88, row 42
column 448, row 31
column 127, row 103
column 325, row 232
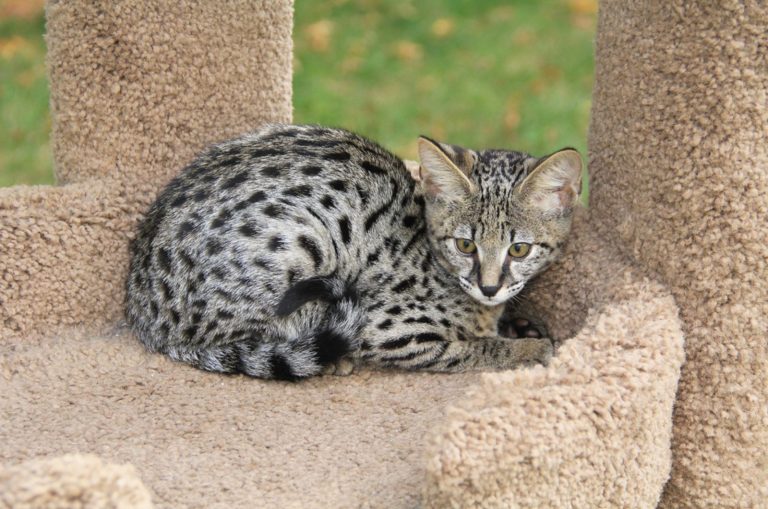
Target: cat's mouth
column 502, row 295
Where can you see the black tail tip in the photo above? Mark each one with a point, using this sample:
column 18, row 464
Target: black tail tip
column 330, row 347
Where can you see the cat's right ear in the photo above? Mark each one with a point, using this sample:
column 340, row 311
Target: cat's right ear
column 440, row 177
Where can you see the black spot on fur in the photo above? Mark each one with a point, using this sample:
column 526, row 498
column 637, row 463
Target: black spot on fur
column 235, row 181
column 394, row 310
column 273, row 210
column 270, row 171
column 276, row 243
column 224, row 314
column 265, row 152
column 311, row 171
column 185, row 229
column 223, row 294
column 384, row 325
column 261, row 263
column 213, row 324
column 213, row 247
column 372, row 168
column 175, row 318
column 363, row 194
column 179, row 200
column 190, row 332
column 453, row 363
column 338, row 185
column 248, row 230
column 166, row 290
column 315, row 142
column 200, row 195
column 404, row 285
column 421, row 319
column 220, row 220
column 445, row 322
column 164, row 260
column 394, row 344
column 373, row 257
column 302, row 190
column 345, row 229
column 153, row 309
column 337, row 156
column 311, row 247
column 409, row 221
column 257, row 197
column 219, row 272
column 232, row 160
column 327, row 201
column 428, row 337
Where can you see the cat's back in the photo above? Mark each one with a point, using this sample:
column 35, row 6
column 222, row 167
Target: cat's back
column 279, row 156
column 264, row 210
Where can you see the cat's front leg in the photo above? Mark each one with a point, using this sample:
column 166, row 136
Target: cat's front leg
column 438, row 351
column 479, row 354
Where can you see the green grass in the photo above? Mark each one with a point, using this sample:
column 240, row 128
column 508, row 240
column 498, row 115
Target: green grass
column 480, row 73
column 25, row 156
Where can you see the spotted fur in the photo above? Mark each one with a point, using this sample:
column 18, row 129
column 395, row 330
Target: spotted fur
column 298, row 248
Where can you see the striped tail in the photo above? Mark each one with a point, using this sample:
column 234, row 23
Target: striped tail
column 291, row 358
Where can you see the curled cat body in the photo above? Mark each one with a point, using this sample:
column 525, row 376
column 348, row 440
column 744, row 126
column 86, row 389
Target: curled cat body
column 300, row 250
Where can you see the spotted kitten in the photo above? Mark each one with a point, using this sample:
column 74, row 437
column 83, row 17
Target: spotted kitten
column 298, row 250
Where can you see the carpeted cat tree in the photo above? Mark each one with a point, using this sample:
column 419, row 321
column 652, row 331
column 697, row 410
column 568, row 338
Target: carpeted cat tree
column 674, row 246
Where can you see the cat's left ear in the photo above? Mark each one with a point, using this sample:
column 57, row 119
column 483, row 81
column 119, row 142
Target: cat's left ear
column 554, row 185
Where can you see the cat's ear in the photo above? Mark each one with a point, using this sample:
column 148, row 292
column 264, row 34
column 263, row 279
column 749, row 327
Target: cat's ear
column 554, row 185
column 444, row 170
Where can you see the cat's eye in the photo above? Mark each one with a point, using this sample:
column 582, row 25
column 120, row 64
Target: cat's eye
column 519, row 249
column 466, row 246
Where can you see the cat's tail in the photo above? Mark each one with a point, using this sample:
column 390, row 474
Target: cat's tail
column 306, row 351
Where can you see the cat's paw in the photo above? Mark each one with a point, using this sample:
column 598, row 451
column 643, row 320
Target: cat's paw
column 537, row 351
column 342, row 367
column 521, row 328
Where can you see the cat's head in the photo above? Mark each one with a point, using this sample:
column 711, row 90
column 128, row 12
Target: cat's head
column 496, row 218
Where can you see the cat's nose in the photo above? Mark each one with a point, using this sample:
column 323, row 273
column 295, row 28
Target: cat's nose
column 489, row 291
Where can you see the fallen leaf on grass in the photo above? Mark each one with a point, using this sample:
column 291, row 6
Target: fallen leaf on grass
column 319, row 35
column 443, row 27
column 9, row 48
column 582, row 6
column 408, row 51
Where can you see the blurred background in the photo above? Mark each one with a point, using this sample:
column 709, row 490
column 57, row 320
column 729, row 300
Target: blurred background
column 480, row 73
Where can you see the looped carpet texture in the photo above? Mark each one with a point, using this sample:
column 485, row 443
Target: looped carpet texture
column 673, row 247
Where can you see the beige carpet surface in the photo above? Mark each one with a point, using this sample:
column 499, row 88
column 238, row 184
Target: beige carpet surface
column 72, row 481
column 204, row 440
